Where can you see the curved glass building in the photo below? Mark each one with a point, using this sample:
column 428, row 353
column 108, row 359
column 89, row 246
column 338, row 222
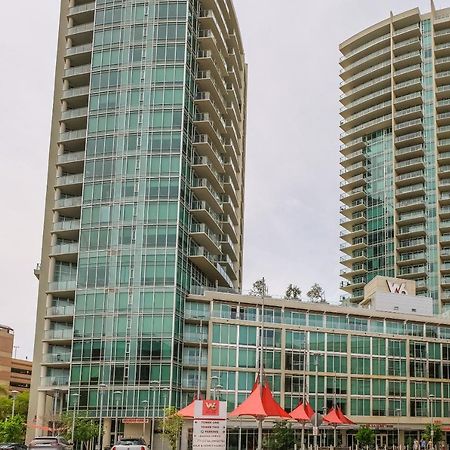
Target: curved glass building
column 144, row 200
column 396, row 154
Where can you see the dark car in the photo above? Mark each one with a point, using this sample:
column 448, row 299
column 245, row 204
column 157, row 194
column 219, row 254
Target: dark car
column 54, row 442
column 13, row 446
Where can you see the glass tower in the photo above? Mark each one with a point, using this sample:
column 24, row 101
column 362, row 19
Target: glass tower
column 144, row 202
column 395, row 154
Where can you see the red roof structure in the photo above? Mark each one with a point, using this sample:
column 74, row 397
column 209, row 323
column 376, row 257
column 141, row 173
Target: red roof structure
column 260, row 404
column 303, row 412
column 188, row 411
column 337, row 417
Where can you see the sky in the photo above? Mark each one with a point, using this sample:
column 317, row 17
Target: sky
column 291, row 232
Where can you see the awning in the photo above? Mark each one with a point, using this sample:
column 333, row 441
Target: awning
column 188, row 411
column 337, row 417
column 260, row 404
column 303, row 412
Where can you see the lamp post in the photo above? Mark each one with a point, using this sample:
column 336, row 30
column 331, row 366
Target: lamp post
column 101, row 391
column 14, row 395
column 316, row 415
column 145, row 403
column 117, row 396
column 431, row 397
column 55, row 405
column 398, row 412
column 153, row 415
column 165, row 390
column 199, row 368
column 75, row 396
column 214, row 382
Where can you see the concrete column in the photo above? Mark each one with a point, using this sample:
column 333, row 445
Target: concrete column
column 185, row 434
column 106, row 432
column 40, row 412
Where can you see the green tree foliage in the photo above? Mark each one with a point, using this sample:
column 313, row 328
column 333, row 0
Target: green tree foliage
column 6, row 404
column 259, row 288
column 316, row 294
column 85, row 428
column 365, row 436
column 12, row 429
column 171, row 425
column 437, row 433
column 282, row 437
column 293, row 292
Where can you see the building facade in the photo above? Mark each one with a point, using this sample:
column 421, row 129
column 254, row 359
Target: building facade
column 144, row 198
column 396, row 154
column 389, row 370
column 15, row 374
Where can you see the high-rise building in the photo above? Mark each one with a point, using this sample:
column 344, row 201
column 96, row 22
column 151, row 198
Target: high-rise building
column 396, row 154
column 144, row 203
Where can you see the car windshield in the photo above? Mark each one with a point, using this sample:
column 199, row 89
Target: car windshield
column 40, row 441
column 131, row 442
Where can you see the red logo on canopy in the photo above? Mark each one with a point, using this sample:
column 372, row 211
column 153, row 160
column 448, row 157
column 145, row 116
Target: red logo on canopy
column 210, row 407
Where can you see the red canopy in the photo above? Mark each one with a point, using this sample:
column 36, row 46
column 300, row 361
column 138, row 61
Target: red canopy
column 303, row 412
column 337, row 417
column 260, row 403
column 187, row 411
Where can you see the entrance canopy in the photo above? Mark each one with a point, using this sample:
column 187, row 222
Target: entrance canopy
column 260, row 404
column 337, row 417
column 188, row 411
column 303, row 412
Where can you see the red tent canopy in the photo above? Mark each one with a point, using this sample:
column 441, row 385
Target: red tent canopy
column 337, row 417
column 303, row 412
column 187, row 411
column 260, row 403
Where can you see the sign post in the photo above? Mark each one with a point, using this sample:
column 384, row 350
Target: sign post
column 210, row 425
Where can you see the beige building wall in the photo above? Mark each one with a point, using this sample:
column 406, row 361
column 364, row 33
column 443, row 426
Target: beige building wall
column 6, row 349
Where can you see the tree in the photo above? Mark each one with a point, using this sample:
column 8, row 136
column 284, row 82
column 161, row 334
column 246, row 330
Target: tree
column 12, row 429
column 282, row 437
column 293, row 292
column 437, row 433
column 365, row 436
column 316, row 294
column 171, row 425
column 5, row 407
column 21, row 404
column 22, row 400
column 85, row 428
column 259, row 288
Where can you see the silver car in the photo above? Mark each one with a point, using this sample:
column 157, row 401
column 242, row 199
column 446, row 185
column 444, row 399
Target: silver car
column 51, row 442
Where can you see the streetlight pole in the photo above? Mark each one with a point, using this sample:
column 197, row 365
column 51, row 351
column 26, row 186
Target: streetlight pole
column 101, row 391
column 199, row 369
column 431, row 397
column 145, row 403
column 316, row 415
column 164, row 415
column 14, row 395
column 75, row 396
column 55, row 404
column 398, row 411
column 153, row 415
column 117, row 395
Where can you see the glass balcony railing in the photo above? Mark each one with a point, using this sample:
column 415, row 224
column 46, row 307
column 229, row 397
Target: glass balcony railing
column 59, row 334
column 68, row 202
column 67, row 225
column 62, row 285
column 55, row 381
column 60, row 310
column 63, row 357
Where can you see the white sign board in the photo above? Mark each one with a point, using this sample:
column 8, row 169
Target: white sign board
column 210, row 425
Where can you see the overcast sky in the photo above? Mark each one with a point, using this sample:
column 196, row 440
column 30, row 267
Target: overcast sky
column 292, row 173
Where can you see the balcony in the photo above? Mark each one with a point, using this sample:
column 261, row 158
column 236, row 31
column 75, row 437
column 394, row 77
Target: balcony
column 365, row 115
column 407, row 46
column 67, row 228
column 355, row 206
column 349, row 197
column 354, row 182
column 407, row 73
column 411, row 204
column 408, row 114
column 203, row 168
column 372, row 72
column 357, row 244
column 204, row 237
column 442, row 77
column 204, row 191
column 410, row 258
column 54, row 382
column 414, row 190
column 372, row 59
column 81, row 32
column 409, row 139
column 443, row 119
column 407, row 59
column 443, row 145
column 411, row 231
column 207, row 83
column 205, row 104
column 410, row 217
column 204, row 214
column 65, row 252
column 444, row 171
column 61, row 287
column 57, row 359
column 444, row 212
column 413, row 271
column 205, row 125
column 364, row 49
column 443, row 92
column 209, row 60
column 72, row 182
column 444, row 198
column 407, row 32
column 443, row 132
column 410, row 165
column 204, row 146
column 366, row 101
column 227, row 264
column 355, row 231
column 412, row 244
column 367, row 88
column 231, row 170
column 81, row 9
column 209, row 265
column 352, row 146
column 71, row 203
column 409, row 127
column 58, row 335
column 229, row 229
column 60, row 313
column 367, row 127
column 230, row 210
column 353, row 158
column 228, row 247
column 79, row 50
column 444, row 225
column 78, row 93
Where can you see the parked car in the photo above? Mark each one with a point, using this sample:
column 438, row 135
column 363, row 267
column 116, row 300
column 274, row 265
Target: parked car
column 130, row 444
column 13, row 446
column 53, row 442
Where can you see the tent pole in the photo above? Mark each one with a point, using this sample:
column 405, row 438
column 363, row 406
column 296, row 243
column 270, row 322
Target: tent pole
column 303, row 436
column 260, row 432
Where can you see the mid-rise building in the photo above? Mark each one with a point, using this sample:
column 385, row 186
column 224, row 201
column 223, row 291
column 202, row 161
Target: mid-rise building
column 144, row 198
column 15, row 374
column 396, row 154
column 386, row 364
